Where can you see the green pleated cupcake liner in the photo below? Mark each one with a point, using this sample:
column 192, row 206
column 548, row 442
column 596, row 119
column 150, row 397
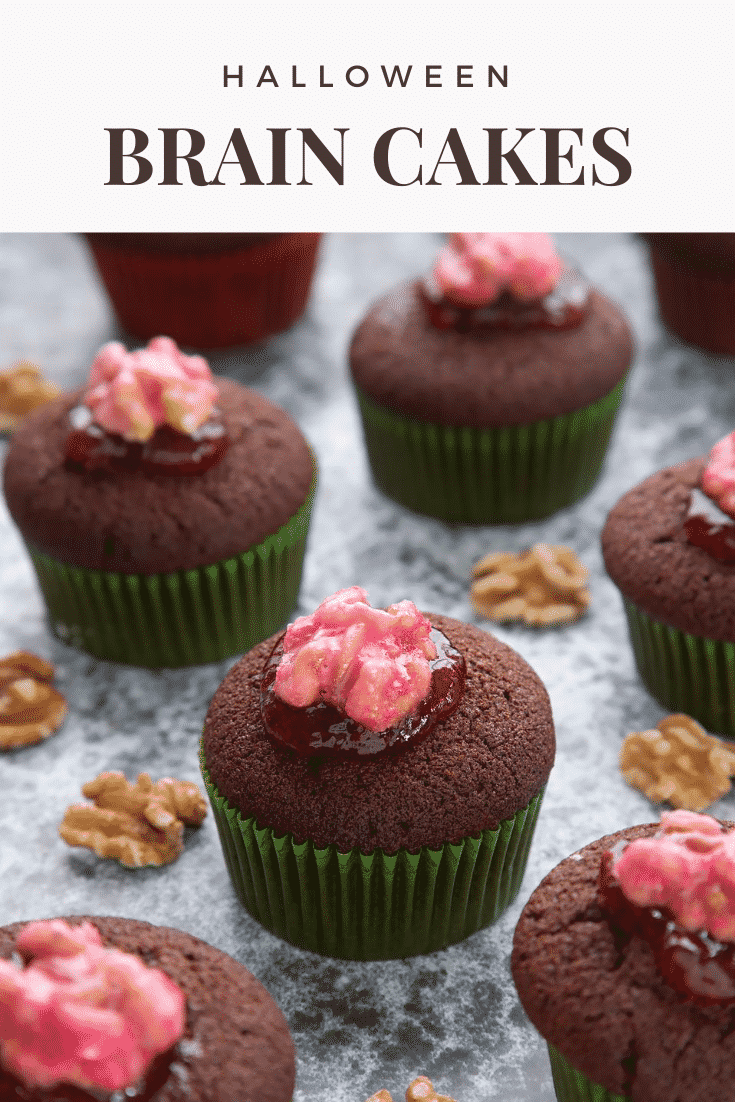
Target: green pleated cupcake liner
column 488, row 476
column 184, row 618
column 572, row 1086
column 686, row 673
column 372, row 906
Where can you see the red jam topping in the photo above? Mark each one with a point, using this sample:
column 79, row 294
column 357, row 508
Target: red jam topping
column 706, row 526
column 562, row 308
column 326, row 730
column 89, row 447
column 676, row 890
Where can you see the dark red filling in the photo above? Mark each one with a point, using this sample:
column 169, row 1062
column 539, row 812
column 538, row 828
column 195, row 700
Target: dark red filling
column 696, row 965
column 323, row 729
column 12, row 1090
column 562, row 308
column 707, row 526
column 91, row 448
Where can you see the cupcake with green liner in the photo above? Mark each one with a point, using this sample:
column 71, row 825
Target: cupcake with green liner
column 624, row 960
column 488, row 392
column 375, row 776
column 165, row 511
column 669, row 546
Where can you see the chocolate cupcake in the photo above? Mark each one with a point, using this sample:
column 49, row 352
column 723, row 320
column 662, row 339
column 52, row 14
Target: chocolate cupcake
column 146, row 1011
column 165, row 514
column 376, row 777
column 669, row 546
column 695, row 284
column 488, row 393
column 209, row 290
column 623, row 959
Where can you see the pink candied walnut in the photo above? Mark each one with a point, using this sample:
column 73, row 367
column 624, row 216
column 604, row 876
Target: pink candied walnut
column 133, row 393
column 83, row 1014
column 718, row 478
column 371, row 663
column 476, row 268
column 687, row 867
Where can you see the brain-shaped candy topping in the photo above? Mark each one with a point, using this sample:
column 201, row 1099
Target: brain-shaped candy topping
column 476, row 268
column 687, row 867
column 133, row 393
column 371, row 663
column 718, row 478
column 83, row 1014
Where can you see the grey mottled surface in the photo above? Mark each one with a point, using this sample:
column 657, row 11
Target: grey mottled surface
column 454, row 1015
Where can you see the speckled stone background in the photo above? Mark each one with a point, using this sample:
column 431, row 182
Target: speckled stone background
column 453, row 1015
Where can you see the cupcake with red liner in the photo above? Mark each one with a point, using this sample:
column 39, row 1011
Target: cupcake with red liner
column 165, row 511
column 669, row 546
column 90, row 1008
column 488, row 391
column 375, row 776
column 209, row 290
column 624, row 960
column 695, row 284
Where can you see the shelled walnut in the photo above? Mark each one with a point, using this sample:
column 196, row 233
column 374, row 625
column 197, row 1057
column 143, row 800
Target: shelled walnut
column 677, row 762
column 22, row 389
column 30, row 707
column 135, row 824
column 420, row 1090
column 543, row 587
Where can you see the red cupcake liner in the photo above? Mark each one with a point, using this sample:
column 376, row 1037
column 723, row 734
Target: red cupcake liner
column 210, row 300
column 699, row 306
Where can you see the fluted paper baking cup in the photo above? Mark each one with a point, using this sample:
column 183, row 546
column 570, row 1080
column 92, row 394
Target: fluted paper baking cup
column 372, row 906
column 488, row 476
column 572, row 1086
column 686, row 673
column 215, row 300
column 180, row 619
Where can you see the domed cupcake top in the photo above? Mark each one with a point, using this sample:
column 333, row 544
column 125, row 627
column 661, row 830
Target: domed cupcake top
column 83, row 1014
column 476, row 268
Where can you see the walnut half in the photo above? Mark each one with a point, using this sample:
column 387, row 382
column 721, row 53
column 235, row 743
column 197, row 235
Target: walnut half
column 135, row 824
column 30, row 707
column 542, row 587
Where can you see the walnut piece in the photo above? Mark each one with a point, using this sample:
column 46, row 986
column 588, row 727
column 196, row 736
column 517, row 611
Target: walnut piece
column 541, row 587
column 135, row 824
column 421, row 1090
column 679, row 763
column 30, row 708
column 22, row 389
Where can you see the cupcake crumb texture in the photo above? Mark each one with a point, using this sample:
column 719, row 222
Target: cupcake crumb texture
column 543, row 587
column 678, row 763
column 31, row 709
column 22, row 389
column 136, row 824
column 420, row 1090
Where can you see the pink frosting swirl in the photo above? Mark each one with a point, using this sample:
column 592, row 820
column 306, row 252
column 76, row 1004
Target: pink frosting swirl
column 718, row 478
column 133, row 393
column 371, row 663
column 687, row 867
column 83, row 1014
column 476, row 268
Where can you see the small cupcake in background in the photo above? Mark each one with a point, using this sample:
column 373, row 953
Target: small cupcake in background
column 488, row 391
column 624, row 960
column 165, row 511
column 669, row 546
column 95, row 1008
column 695, row 284
column 375, row 776
column 208, row 290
